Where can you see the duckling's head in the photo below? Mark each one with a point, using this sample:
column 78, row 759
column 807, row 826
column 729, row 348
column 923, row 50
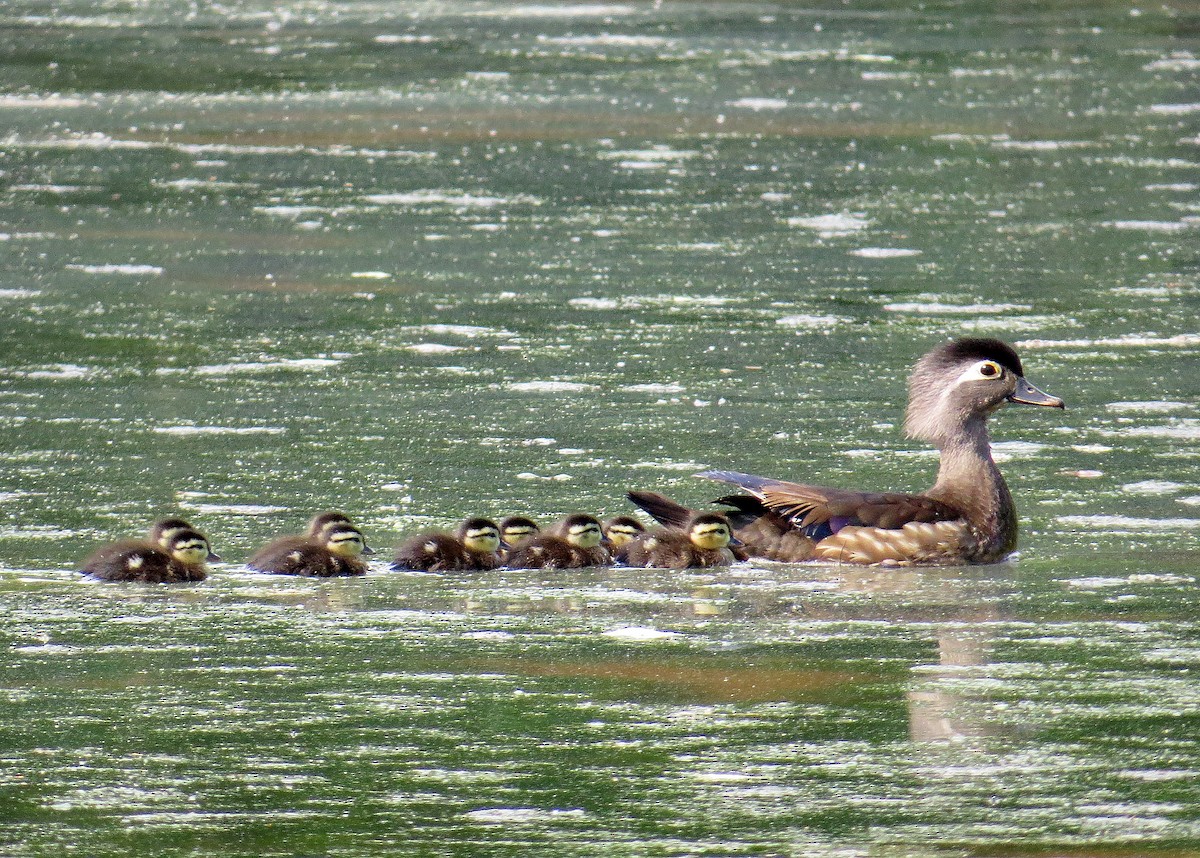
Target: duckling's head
column 163, row 529
column 517, row 528
column 344, row 540
column 322, row 520
column 480, row 535
column 959, row 385
column 711, row 531
column 622, row 529
column 189, row 546
column 582, row 531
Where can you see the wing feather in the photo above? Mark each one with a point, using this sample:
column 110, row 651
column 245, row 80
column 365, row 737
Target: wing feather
column 806, row 506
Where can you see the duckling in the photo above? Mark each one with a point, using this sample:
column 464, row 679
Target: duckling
column 705, row 542
column 621, row 529
column 322, row 520
column 474, row 547
column 516, row 530
column 968, row 516
column 181, row 557
column 576, row 542
column 333, row 552
column 162, row 530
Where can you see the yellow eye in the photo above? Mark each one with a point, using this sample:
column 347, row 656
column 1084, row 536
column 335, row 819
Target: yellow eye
column 990, row 369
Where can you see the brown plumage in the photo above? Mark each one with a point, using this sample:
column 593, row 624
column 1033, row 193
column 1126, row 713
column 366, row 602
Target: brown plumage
column 576, row 542
column 474, row 547
column 333, row 553
column 968, row 516
column 703, row 542
column 181, row 559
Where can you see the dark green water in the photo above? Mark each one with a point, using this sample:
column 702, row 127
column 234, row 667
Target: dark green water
column 422, row 261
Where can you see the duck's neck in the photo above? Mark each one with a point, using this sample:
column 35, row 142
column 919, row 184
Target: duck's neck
column 969, row 480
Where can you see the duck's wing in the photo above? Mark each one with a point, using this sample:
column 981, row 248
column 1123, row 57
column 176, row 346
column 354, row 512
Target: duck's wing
column 820, row 512
column 662, row 509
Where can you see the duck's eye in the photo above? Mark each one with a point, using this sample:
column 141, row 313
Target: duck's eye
column 990, row 369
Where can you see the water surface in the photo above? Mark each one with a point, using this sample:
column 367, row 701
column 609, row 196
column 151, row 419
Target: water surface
column 420, row 263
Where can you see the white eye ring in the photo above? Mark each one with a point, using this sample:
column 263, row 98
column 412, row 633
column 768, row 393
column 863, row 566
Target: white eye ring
column 987, row 369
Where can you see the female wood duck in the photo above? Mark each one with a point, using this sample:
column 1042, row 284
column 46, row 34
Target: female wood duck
column 621, row 529
column 576, row 542
column 178, row 556
column 334, row 552
column 705, row 542
column 967, row 517
column 475, row 547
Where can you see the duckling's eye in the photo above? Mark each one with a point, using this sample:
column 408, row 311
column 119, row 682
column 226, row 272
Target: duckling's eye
column 990, row 369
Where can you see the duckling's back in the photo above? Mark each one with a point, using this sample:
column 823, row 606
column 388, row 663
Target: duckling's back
column 299, row 555
column 547, row 552
column 671, row 548
column 139, row 560
column 433, row 552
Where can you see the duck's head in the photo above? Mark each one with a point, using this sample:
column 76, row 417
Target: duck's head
column 344, row 540
column 480, row 535
column 964, row 382
column 163, row 529
column 189, row 546
column 582, row 531
column 322, row 520
column 517, row 528
column 711, row 531
column 622, row 529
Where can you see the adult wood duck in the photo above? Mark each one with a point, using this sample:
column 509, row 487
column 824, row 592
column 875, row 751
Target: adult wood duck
column 704, row 542
column 174, row 557
column 334, row 551
column 967, row 516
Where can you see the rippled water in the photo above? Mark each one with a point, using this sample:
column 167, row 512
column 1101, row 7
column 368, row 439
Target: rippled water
column 421, row 261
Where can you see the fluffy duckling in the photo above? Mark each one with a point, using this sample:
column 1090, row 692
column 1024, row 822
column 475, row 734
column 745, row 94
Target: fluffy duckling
column 516, row 530
column 577, row 542
column 322, row 520
column 162, row 530
column 332, row 553
column 181, row 556
column 704, row 542
column 474, row 547
column 622, row 529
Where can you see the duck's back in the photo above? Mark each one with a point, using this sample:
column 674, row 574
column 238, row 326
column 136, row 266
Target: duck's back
column 139, row 560
column 298, row 555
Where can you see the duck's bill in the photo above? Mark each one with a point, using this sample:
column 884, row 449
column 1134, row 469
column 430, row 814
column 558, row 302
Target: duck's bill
column 1027, row 394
